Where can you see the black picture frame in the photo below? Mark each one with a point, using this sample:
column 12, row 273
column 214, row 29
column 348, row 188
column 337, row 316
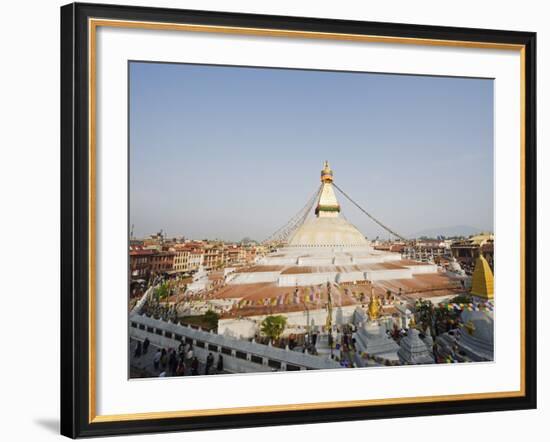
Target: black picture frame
column 75, row 220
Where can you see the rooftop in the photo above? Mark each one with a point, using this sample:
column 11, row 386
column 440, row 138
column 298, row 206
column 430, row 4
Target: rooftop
column 421, row 286
column 257, row 269
column 267, row 298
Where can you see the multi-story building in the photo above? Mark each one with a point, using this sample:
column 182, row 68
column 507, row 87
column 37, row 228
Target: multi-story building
column 162, row 261
column 140, row 262
column 425, row 250
column 213, row 257
column 466, row 251
column 234, row 255
column 181, row 259
column 196, row 258
column 187, row 257
column 249, row 255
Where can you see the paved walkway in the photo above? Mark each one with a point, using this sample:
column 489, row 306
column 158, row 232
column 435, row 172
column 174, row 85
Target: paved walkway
column 143, row 367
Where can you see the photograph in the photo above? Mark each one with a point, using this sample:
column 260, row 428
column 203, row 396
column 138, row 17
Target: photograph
column 285, row 219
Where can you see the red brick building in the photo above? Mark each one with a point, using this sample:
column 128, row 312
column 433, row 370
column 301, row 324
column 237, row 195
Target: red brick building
column 140, row 262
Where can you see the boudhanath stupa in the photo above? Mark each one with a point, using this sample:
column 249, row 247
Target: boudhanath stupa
column 328, row 248
column 325, row 250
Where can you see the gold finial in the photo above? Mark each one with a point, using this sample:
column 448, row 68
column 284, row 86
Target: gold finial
column 326, row 173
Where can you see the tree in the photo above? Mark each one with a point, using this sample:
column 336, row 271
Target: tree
column 445, row 319
column 161, row 292
column 273, row 326
column 425, row 314
column 211, row 318
column 461, row 299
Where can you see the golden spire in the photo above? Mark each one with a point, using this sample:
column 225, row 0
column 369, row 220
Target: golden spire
column 327, row 205
column 326, row 173
column 482, row 279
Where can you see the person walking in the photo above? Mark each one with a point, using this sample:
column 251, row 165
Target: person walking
column 219, row 367
column 195, row 366
column 181, row 349
column 180, row 370
column 156, row 359
column 145, row 345
column 163, row 359
column 172, row 362
column 209, row 363
column 137, row 352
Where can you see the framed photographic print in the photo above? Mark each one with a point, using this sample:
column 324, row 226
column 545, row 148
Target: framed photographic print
column 273, row 220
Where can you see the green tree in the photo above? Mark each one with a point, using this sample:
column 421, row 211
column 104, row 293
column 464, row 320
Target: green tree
column 425, row 314
column 445, row 319
column 211, row 318
column 161, row 292
column 461, row 299
column 273, row 326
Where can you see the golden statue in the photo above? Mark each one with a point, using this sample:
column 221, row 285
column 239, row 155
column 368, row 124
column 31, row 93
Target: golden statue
column 470, row 327
column 374, row 307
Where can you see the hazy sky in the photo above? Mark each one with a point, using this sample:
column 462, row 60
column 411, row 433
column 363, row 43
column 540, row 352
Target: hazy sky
column 229, row 152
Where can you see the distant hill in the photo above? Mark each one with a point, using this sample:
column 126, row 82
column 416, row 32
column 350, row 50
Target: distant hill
column 447, row 231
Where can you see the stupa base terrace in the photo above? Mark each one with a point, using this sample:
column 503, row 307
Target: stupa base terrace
column 300, row 293
column 291, row 267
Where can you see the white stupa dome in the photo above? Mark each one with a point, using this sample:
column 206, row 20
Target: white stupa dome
column 327, row 232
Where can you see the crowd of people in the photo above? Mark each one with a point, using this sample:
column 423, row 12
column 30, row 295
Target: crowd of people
column 179, row 362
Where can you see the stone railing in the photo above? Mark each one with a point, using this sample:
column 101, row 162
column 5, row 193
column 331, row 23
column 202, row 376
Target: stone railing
column 139, row 305
column 239, row 356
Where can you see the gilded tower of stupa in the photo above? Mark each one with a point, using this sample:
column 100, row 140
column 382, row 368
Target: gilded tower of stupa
column 328, row 228
column 327, row 206
column 483, row 280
